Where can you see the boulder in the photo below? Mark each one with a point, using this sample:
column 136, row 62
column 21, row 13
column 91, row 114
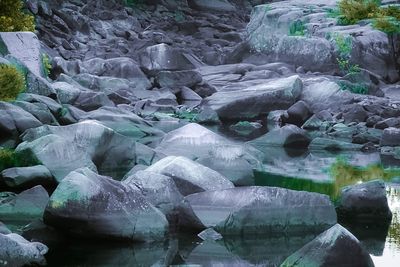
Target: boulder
column 366, row 203
column 196, row 142
column 161, row 191
column 268, row 210
column 17, row 251
column 163, row 57
column 173, row 79
column 13, row 122
column 288, row 136
column 321, row 143
column 63, row 149
column 189, row 176
column 25, row 47
column 26, row 205
column 23, row 176
column 390, row 137
column 87, row 204
column 298, row 113
column 256, row 100
column 334, row 247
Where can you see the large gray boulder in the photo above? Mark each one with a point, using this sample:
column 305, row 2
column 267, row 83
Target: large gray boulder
column 288, row 136
column 196, row 142
column 25, row 47
column 23, row 176
column 255, row 210
column 256, row 100
column 17, row 251
column 63, row 149
column 88, row 204
column 390, row 137
column 27, row 205
column 13, row 122
column 366, row 202
column 212, row 5
column 162, row 191
column 334, row 247
column 189, row 176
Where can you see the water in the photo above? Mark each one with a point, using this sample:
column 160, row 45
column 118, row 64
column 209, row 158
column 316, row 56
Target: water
column 300, row 170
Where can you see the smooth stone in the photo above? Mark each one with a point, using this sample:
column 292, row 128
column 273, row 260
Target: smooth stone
column 22, row 176
column 321, row 143
column 390, row 137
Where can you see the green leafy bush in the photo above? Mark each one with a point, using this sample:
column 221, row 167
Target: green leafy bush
column 12, row 17
column 344, row 46
column 12, row 82
column 357, row 88
column 355, row 10
column 389, row 25
column 297, row 28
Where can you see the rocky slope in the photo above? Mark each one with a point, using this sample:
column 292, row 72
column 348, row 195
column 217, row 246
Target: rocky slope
column 133, row 91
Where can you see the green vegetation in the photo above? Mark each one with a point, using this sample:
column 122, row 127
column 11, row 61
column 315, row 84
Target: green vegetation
column 357, row 88
column 297, row 28
column 134, row 3
column 12, row 82
column 46, row 64
column 356, row 10
column 9, row 159
column 13, row 18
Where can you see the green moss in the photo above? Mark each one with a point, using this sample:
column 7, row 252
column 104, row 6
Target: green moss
column 358, row 88
column 297, row 28
column 13, row 18
column 9, row 159
column 12, row 82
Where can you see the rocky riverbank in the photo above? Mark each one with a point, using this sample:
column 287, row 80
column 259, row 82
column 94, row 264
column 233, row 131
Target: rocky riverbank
column 114, row 140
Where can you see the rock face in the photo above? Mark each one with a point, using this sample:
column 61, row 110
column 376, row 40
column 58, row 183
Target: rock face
column 334, row 247
column 17, row 251
column 189, row 176
column 287, row 136
column 256, row 100
column 255, row 210
column 364, row 202
column 63, row 149
column 22, row 176
column 216, row 5
column 289, row 32
column 27, row 205
column 25, row 47
column 88, row 204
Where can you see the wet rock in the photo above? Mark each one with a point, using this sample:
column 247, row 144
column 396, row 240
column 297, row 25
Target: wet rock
column 13, row 122
column 210, row 235
column 187, row 78
column 189, row 176
column 255, row 210
column 298, row 113
column 63, row 149
column 287, row 136
column 26, row 205
column 217, row 5
column 365, row 203
column 23, row 176
column 245, row 127
column 391, row 122
column 321, row 143
column 87, row 204
column 256, row 100
column 17, row 251
column 390, row 137
column 334, row 247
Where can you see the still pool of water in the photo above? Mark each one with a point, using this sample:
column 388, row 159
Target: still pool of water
column 299, row 170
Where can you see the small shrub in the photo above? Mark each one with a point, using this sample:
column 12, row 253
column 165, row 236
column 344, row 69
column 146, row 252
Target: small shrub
column 391, row 11
column 297, row 28
column 355, row 10
column 389, row 25
column 344, row 46
column 46, row 64
column 12, row 17
column 357, row 88
column 12, row 82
